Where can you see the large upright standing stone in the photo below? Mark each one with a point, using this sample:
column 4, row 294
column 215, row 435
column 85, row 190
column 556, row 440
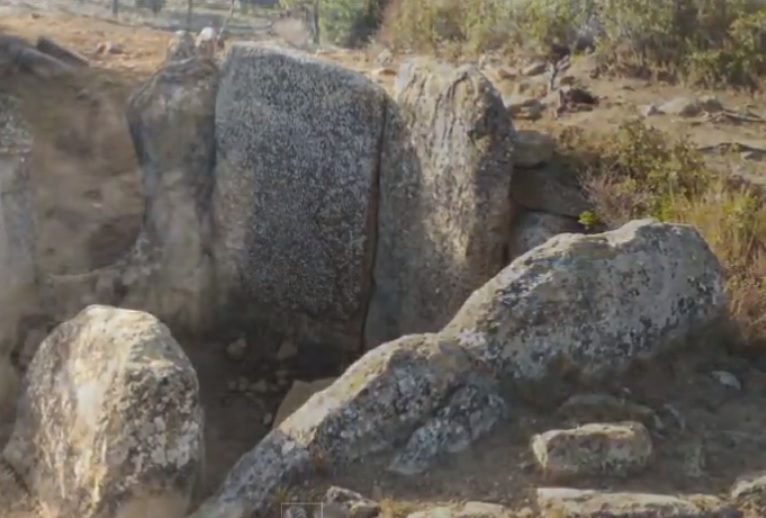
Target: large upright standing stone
column 444, row 210
column 298, row 151
column 172, row 122
column 18, row 272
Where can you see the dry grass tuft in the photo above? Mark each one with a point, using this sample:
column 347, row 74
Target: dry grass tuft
column 639, row 171
column 710, row 42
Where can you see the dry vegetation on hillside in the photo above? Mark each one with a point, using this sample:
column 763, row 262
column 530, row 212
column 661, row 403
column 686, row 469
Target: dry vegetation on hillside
column 637, row 171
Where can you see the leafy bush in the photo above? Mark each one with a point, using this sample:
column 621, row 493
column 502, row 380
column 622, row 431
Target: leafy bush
column 639, row 172
column 706, row 41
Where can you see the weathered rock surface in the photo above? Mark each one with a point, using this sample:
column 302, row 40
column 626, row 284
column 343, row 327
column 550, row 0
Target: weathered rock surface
column 169, row 270
column 588, row 408
column 181, row 46
column 351, row 503
column 531, row 229
column 552, row 188
column 533, row 149
column 9, row 389
column 376, row 406
column 444, row 209
column 613, row 449
column 298, row 159
column 172, row 123
column 682, row 106
column 469, row 413
column 110, row 412
column 467, row 510
column 750, row 489
column 18, row 271
column 299, row 393
column 593, row 304
column 577, row 503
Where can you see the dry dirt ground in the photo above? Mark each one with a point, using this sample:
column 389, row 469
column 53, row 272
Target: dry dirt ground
column 88, row 203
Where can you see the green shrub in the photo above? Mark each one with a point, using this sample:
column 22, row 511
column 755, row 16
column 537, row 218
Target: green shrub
column 711, row 42
column 638, row 171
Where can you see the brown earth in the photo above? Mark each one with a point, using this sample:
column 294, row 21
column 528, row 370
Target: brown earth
column 89, row 204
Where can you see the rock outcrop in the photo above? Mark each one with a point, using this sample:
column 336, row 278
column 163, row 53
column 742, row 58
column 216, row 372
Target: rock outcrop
column 172, row 122
column 19, row 295
column 445, row 210
column 298, row 164
column 617, row 297
column 168, row 272
column 592, row 304
column 292, row 198
column 412, row 389
column 613, row 449
column 110, row 412
column 576, row 503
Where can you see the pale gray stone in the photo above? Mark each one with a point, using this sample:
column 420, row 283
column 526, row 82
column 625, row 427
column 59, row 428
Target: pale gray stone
column 531, row 229
column 444, row 209
column 470, row 413
column 682, row 106
column 172, row 122
column 579, row 503
column 109, row 404
column 611, row 449
column 590, row 302
column 584, row 408
column 168, row 271
column 553, row 188
column 467, row 510
column 352, row 504
column 750, row 487
column 374, row 407
column 533, row 148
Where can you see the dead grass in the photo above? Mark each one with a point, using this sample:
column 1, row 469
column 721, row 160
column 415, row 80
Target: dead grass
column 710, row 42
column 639, row 171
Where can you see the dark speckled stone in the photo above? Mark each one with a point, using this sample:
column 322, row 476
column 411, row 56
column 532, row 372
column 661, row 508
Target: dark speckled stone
column 298, row 146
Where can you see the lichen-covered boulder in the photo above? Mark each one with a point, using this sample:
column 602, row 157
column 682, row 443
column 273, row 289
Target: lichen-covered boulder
column 109, row 420
column 18, row 270
column 611, row 449
column 444, row 210
column 298, row 158
column 419, row 382
column 589, row 305
column 579, row 503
